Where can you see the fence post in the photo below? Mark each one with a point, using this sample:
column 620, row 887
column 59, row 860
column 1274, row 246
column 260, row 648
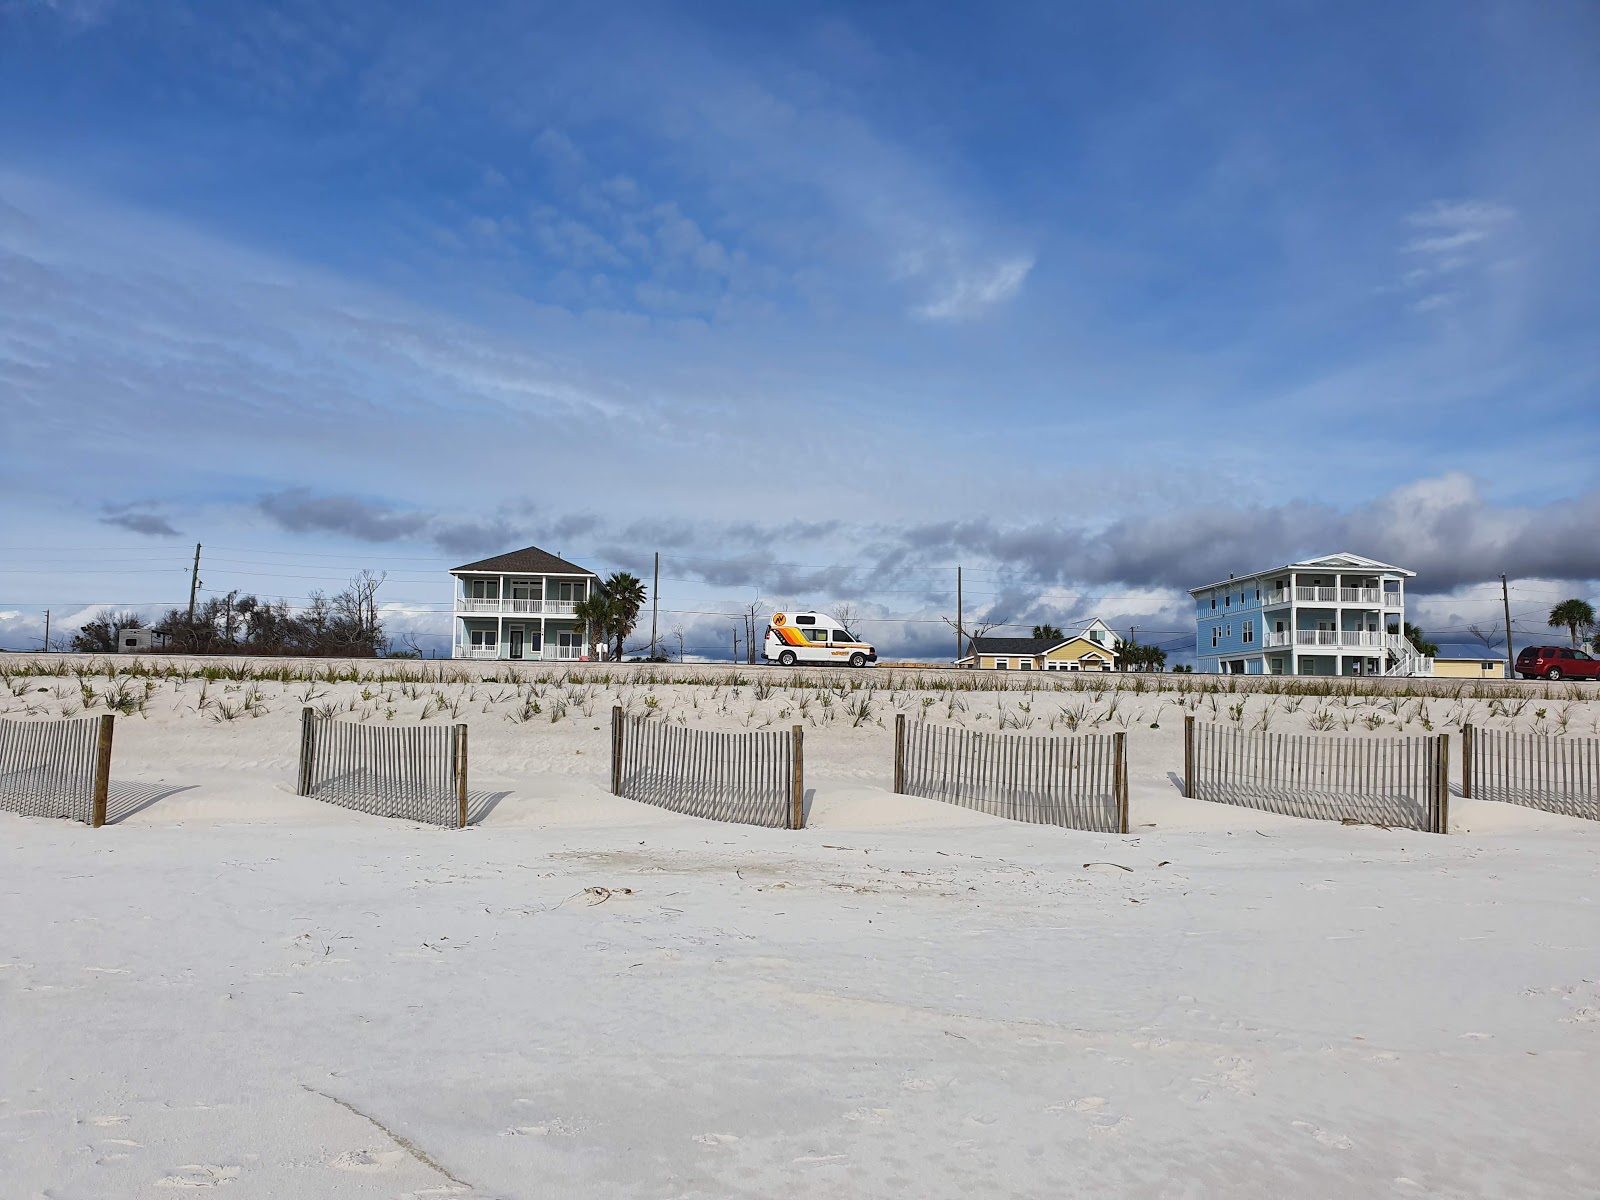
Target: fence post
column 102, row 772
column 797, row 802
column 1188, row 756
column 308, row 749
column 1121, row 744
column 1442, row 814
column 461, row 775
column 899, row 752
column 1467, row 762
column 616, row 749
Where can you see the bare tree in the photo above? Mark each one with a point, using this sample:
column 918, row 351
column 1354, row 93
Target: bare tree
column 753, row 621
column 846, row 615
column 1490, row 637
column 677, row 632
column 972, row 632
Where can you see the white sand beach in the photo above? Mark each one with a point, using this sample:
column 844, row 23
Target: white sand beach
column 234, row 987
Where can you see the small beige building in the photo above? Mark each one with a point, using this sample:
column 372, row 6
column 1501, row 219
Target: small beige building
column 1468, row 662
column 1092, row 649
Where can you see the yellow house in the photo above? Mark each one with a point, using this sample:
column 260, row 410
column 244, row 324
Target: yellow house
column 1080, row 652
column 1467, row 662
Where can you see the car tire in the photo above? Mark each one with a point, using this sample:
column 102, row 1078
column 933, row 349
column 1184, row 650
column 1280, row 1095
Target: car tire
column 858, row 659
column 1553, row 674
column 786, row 659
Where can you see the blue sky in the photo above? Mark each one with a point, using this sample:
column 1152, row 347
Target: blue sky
column 819, row 301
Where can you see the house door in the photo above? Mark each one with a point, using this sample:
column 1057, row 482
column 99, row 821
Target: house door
column 516, row 643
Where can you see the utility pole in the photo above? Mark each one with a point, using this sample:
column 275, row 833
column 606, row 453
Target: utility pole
column 655, row 605
column 736, row 645
column 1511, row 654
column 47, row 631
column 194, row 583
column 960, row 647
column 1130, row 642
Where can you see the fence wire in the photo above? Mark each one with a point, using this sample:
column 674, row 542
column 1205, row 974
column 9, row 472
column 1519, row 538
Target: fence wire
column 1556, row 774
column 1073, row 782
column 746, row 778
column 1377, row 781
column 404, row 771
column 47, row 768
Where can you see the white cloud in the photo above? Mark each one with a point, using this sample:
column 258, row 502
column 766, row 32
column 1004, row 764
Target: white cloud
column 966, row 291
column 1453, row 239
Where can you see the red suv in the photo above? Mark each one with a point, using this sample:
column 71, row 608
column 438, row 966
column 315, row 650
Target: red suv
column 1556, row 662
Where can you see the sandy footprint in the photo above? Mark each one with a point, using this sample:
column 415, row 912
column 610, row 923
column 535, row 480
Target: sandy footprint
column 870, row 1116
column 198, row 1175
column 552, row 1128
column 367, row 1161
column 1337, row 1141
column 716, row 1139
column 110, row 1119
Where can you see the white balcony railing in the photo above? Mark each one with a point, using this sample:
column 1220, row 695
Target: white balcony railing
column 1276, row 641
column 475, row 652
column 1281, row 596
column 1317, row 595
column 1356, row 639
column 548, row 608
column 1360, row 595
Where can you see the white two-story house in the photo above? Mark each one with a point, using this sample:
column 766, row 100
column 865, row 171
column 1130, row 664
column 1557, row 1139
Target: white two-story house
column 519, row 606
column 1340, row 614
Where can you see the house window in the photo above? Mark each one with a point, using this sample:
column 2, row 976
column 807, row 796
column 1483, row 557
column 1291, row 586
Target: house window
column 569, row 592
column 1213, row 601
column 483, row 589
column 1227, row 601
column 1258, row 595
column 1216, row 632
column 1025, row 663
column 1097, row 637
column 1249, row 633
column 1002, row 664
column 483, row 639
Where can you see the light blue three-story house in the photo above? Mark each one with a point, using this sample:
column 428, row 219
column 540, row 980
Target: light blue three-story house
column 519, row 606
column 1340, row 614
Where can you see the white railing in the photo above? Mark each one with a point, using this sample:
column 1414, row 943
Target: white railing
column 1359, row 595
column 1317, row 595
column 565, row 653
column 475, row 652
column 1281, row 596
column 1276, row 641
column 1316, row 637
column 559, row 608
column 1392, row 600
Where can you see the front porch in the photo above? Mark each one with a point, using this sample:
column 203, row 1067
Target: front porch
column 519, row 641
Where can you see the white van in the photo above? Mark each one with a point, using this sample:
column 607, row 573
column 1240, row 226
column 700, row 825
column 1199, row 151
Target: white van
column 814, row 637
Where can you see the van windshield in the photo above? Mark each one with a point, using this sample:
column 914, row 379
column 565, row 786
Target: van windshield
column 841, row 635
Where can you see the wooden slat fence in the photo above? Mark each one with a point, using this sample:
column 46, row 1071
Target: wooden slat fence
column 56, row 768
column 413, row 772
column 1378, row 781
column 1074, row 782
column 749, row 778
column 1557, row 774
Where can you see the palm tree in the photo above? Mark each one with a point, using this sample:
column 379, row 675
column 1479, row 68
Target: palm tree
column 612, row 610
column 1420, row 642
column 1574, row 615
column 1048, row 631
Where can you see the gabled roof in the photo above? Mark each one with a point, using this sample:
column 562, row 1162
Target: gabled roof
column 530, row 560
column 1343, row 560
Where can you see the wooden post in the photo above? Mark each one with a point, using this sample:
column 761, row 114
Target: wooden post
column 1188, row 756
column 102, row 772
column 797, row 804
column 899, row 752
column 1467, row 763
column 461, row 775
column 616, row 749
column 308, row 750
column 1121, row 747
column 1442, row 814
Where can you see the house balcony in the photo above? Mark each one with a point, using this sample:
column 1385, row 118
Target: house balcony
column 1328, row 639
column 1372, row 597
column 547, row 608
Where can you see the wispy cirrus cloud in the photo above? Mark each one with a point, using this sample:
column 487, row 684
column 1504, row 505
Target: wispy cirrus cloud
column 1451, row 240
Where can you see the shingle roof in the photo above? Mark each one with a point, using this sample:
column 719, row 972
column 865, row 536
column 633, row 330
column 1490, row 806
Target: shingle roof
column 528, row 561
column 1013, row 645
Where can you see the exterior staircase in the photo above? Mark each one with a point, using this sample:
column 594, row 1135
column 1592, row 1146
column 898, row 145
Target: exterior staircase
column 1403, row 659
